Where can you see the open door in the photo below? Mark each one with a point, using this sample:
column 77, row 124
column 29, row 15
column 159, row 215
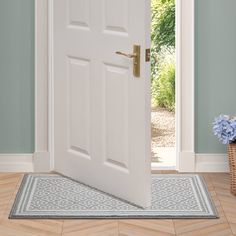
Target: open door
column 101, row 99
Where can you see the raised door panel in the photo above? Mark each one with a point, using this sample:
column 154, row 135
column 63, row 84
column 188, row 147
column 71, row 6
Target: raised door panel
column 116, row 16
column 78, row 107
column 79, row 13
column 116, row 117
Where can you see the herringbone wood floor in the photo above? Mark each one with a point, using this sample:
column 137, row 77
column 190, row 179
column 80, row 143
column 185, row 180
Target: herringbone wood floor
column 218, row 185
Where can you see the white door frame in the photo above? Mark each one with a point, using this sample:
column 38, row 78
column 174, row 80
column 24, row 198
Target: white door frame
column 185, row 89
column 43, row 156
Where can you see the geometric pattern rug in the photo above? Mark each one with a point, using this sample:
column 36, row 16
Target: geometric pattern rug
column 52, row 196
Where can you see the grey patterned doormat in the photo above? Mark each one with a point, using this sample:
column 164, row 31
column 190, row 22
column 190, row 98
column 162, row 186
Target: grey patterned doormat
column 51, row 196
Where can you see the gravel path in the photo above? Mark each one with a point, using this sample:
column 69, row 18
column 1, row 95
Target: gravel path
column 163, row 129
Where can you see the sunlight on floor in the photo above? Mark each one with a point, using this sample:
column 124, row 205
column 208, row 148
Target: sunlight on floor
column 165, row 156
column 163, row 138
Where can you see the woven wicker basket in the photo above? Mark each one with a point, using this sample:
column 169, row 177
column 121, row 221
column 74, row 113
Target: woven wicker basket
column 232, row 166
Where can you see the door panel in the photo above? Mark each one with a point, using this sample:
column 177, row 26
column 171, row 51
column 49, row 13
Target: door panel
column 116, row 16
column 116, row 117
column 102, row 112
column 78, row 107
column 79, row 13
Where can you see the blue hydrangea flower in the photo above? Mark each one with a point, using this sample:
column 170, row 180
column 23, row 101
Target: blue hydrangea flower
column 224, row 128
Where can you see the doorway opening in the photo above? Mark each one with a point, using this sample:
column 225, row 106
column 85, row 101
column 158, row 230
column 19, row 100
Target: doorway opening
column 163, row 83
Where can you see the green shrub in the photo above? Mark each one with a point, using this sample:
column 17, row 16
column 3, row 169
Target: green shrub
column 163, row 53
column 163, row 23
column 163, row 86
column 162, row 30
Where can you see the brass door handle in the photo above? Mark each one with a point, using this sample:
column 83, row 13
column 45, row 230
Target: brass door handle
column 136, row 59
column 126, row 55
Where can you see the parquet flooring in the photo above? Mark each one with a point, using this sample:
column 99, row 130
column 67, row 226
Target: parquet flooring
column 218, row 185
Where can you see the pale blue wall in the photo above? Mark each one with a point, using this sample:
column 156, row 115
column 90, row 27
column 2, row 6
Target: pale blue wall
column 215, row 68
column 16, row 76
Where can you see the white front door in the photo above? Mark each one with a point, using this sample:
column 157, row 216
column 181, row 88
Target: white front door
column 102, row 111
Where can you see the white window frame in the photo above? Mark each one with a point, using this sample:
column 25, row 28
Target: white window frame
column 43, row 156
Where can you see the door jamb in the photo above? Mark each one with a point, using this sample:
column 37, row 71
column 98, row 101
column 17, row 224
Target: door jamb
column 185, row 89
column 43, row 156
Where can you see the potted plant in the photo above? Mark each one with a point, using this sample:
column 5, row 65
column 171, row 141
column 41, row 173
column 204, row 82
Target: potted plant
column 224, row 127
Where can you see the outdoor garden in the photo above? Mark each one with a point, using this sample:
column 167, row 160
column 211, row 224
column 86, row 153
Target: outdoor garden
column 163, row 78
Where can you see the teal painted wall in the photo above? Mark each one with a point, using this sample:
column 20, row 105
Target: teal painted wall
column 16, row 76
column 215, row 68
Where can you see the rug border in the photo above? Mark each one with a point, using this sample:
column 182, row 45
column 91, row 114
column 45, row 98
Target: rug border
column 213, row 206
column 21, row 188
column 18, row 195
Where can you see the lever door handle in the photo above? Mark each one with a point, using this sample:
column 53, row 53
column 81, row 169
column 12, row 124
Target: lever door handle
column 136, row 59
column 126, row 55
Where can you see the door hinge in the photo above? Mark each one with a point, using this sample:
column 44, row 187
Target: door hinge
column 148, row 55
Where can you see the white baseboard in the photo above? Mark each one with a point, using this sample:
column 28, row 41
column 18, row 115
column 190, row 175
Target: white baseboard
column 212, row 163
column 16, row 163
column 42, row 162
